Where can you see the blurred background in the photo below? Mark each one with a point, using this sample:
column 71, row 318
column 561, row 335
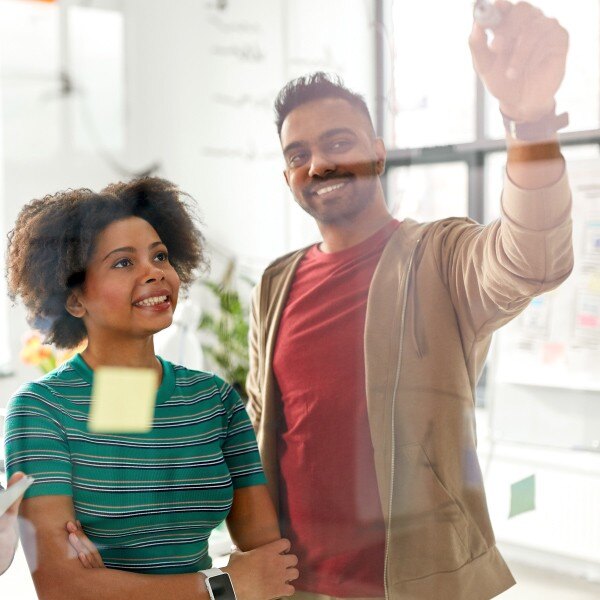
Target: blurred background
column 94, row 91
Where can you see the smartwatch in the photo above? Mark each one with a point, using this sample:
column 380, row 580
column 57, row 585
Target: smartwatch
column 219, row 585
column 536, row 131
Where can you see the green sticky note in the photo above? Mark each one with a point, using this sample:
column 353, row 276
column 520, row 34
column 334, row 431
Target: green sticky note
column 522, row 496
column 123, row 400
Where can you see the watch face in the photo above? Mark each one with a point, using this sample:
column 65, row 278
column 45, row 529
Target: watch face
column 221, row 588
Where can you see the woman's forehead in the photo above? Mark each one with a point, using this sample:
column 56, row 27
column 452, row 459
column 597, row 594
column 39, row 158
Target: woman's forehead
column 129, row 231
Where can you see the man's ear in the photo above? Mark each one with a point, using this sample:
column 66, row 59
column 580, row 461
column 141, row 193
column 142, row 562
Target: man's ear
column 380, row 153
column 74, row 305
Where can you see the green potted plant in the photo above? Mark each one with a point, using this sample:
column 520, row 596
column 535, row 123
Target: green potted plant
column 227, row 332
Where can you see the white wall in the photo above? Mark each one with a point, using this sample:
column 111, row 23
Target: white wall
column 203, row 81
column 199, row 86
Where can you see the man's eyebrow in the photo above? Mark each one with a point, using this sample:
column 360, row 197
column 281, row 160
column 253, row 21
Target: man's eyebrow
column 131, row 249
column 292, row 146
column 324, row 136
column 338, row 131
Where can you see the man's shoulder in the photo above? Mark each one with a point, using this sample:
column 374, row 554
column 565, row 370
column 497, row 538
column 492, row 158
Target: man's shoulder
column 438, row 230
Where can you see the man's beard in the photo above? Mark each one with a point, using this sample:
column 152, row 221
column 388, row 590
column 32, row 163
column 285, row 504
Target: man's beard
column 342, row 211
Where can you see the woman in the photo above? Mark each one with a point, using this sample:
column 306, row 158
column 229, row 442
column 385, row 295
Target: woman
column 108, row 267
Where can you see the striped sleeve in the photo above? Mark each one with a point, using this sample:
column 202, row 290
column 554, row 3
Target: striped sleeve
column 239, row 447
column 36, row 443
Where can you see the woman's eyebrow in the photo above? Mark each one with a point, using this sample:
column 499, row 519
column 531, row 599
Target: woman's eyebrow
column 131, row 249
column 124, row 249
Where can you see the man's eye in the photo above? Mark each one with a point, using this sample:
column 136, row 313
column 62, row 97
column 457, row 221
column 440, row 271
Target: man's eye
column 341, row 145
column 123, row 262
column 297, row 159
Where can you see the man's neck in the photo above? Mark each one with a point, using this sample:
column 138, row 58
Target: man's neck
column 341, row 236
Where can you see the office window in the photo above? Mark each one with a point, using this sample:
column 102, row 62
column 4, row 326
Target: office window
column 30, row 69
column 428, row 192
column 63, row 79
column 580, row 91
column 95, row 39
column 445, row 139
column 431, row 95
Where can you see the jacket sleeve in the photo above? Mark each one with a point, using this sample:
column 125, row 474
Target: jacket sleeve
column 493, row 271
column 254, row 405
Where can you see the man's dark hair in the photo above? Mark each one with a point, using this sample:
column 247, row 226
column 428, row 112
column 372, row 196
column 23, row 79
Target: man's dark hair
column 315, row 86
column 54, row 238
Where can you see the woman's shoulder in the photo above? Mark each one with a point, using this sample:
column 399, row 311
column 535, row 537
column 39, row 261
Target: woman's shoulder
column 187, row 376
column 47, row 390
column 194, row 378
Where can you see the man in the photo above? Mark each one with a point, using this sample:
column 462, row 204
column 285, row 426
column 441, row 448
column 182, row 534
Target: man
column 8, row 529
column 366, row 348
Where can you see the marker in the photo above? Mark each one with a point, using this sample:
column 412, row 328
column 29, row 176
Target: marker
column 486, row 14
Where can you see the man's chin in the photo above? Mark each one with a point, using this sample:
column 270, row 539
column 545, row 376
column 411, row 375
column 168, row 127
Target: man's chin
column 333, row 214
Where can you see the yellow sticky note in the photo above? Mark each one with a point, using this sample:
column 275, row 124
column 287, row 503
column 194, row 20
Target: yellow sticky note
column 123, row 400
column 594, row 283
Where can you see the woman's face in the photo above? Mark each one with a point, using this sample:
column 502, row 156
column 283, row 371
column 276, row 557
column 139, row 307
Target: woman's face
column 130, row 288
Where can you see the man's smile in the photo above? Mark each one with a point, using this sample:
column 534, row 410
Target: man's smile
column 328, row 187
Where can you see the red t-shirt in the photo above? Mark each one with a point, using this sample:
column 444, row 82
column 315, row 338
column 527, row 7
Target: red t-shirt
column 330, row 505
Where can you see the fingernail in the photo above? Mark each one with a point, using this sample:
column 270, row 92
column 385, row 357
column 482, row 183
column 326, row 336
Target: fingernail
column 511, row 73
column 71, row 527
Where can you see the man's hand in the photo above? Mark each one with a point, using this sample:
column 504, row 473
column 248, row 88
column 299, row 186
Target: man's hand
column 8, row 529
column 524, row 64
column 265, row 572
column 87, row 553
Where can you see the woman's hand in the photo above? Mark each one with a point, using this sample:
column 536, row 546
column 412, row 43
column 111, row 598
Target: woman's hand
column 263, row 573
column 87, row 553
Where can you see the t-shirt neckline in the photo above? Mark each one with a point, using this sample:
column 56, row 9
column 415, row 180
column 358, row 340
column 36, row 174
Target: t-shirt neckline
column 164, row 392
column 380, row 236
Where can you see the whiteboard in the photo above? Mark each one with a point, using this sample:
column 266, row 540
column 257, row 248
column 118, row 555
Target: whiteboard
column 555, row 342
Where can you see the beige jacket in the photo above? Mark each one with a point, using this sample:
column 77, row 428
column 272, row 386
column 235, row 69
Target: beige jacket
column 439, row 291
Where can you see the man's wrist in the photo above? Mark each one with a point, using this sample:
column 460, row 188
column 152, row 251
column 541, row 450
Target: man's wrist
column 537, row 129
column 515, row 113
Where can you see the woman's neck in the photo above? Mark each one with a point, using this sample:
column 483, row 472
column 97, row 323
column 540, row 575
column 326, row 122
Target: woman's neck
column 138, row 353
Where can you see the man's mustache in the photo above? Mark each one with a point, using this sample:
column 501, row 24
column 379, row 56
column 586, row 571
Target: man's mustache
column 320, row 180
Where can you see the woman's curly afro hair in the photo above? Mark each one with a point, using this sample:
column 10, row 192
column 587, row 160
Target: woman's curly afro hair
column 53, row 241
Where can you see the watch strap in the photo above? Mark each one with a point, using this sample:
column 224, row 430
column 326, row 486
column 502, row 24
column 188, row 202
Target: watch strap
column 214, row 584
column 212, row 572
column 541, row 130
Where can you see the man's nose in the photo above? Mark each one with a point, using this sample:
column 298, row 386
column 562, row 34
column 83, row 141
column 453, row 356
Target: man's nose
column 320, row 165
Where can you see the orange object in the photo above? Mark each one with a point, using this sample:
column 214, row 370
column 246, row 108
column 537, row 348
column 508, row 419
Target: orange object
column 38, row 354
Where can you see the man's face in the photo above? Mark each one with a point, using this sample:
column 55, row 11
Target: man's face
column 333, row 159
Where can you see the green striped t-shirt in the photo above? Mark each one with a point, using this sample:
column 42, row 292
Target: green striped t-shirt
column 148, row 501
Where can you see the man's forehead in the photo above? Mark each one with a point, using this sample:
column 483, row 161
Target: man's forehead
column 313, row 119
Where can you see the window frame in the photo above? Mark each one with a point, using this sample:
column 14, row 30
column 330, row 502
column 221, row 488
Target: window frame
column 472, row 153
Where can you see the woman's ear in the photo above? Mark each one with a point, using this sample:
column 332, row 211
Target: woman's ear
column 74, row 305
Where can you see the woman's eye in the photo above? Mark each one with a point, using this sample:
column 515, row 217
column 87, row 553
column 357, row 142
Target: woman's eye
column 162, row 256
column 123, row 262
